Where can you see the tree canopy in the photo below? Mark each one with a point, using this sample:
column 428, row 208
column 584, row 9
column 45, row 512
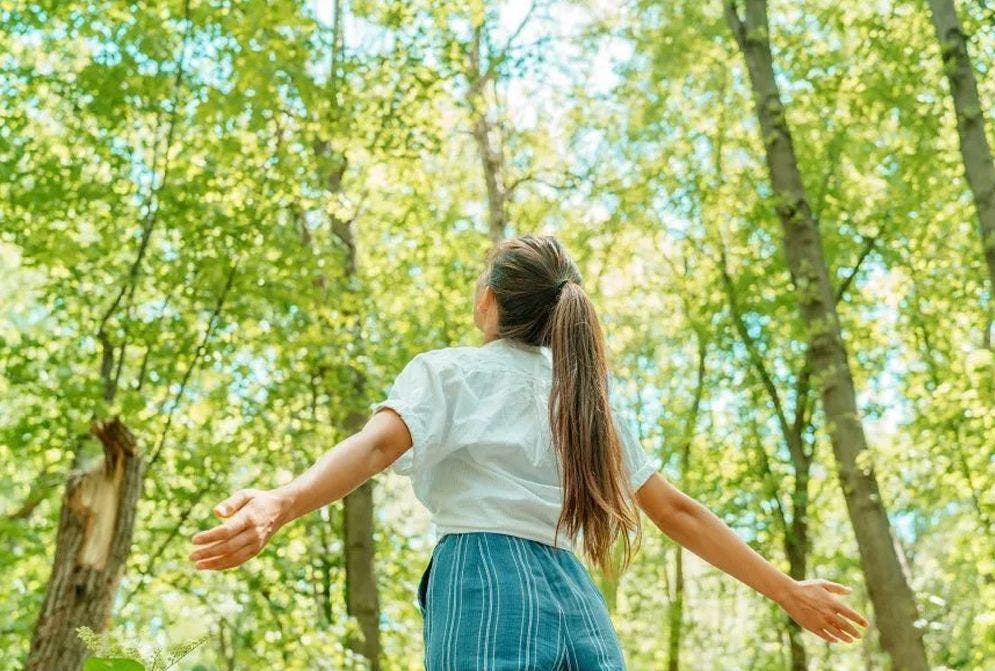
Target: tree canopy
column 230, row 224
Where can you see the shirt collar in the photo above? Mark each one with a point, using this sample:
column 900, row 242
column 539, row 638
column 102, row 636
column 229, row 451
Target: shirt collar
column 515, row 344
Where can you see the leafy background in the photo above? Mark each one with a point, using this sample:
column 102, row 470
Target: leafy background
column 176, row 177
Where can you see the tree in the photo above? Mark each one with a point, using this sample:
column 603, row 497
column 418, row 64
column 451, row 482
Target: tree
column 974, row 148
column 894, row 602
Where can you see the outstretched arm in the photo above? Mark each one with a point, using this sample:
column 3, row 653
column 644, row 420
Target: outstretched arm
column 809, row 602
column 254, row 515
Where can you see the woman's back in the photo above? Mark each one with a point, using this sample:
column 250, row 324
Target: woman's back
column 482, row 457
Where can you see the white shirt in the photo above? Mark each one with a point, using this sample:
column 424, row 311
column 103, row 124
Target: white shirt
column 482, row 457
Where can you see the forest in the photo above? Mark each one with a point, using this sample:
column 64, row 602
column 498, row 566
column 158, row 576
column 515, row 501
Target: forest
column 226, row 225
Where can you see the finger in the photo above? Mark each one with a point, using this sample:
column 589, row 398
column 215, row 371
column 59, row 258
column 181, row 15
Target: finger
column 823, row 635
column 836, row 587
column 233, row 503
column 222, row 531
column 839, row 633
column 826, row 634
column 223, row 547
column 843, row 609
column 209, row 561
column 229, row 560
column 840, row 623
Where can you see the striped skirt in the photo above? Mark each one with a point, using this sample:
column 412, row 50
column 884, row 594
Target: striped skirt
column 495, row 602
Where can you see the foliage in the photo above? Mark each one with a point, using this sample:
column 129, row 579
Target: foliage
column 173, row 182
column 110, row 655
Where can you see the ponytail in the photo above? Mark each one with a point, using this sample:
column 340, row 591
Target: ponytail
column 597, row 497
column 541, row 302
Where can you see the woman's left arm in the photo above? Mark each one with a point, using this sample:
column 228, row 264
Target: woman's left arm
column 811, row 603
column 254, row 515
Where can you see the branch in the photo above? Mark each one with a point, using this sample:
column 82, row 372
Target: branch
column 481, row 79
column 833, row 157
column 768, row 478
column 691, row 421
column 201, row 348
column 803, row 383
column 756, row 359
column 38, row 493
column 869, row 244
column 735, row 22
column 174, row 532
column 148, row 224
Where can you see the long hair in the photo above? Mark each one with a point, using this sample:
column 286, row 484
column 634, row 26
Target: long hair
column 541, row 302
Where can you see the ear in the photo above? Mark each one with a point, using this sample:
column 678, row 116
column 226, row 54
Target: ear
column 487, row 298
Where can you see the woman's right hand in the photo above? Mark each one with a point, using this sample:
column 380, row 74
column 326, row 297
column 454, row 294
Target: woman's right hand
column 253, row 516
column 812, row 604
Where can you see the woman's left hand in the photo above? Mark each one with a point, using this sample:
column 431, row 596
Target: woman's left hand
column 253, row 516
column 812, row 604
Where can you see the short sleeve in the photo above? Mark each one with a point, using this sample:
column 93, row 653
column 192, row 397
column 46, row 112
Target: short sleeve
column 638, row 463
column 419, row 396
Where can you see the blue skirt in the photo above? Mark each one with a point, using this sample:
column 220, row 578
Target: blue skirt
column 498, row 602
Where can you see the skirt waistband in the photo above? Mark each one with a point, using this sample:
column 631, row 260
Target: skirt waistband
column 500, row 536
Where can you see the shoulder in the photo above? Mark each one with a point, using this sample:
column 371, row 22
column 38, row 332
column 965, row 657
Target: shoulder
column 448, row 363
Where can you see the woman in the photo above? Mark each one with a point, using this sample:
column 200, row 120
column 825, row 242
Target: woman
column 515, row 449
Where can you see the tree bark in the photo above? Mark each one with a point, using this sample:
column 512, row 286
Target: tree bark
column 361, row 594
column 491, row 155
column 676, row 610
column 92, row 545
column 794, row 530
column 491, row 161
column 362, row 599
column 893, row 600
column 676, row 614
column 974, row 147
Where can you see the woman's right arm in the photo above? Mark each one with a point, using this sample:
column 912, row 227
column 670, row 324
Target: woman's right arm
column 252, row 516
column 810, row 603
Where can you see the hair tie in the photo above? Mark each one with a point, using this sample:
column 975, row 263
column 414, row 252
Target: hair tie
column 560, row 285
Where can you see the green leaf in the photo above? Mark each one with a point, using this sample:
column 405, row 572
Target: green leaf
column 112, row 664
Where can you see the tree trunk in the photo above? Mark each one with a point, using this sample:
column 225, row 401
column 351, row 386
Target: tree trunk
column 491, row 155
column 361, row 595
column 94, row 537
column 491, row 162
column 893, row 600
column 974, row 147
column 796, row 547
column 676, row 615
column 676, row 610
column 362, row 600
column 795, row 529
column 99, row 506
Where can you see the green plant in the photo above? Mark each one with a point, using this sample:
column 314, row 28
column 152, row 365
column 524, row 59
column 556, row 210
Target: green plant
column 111, row 655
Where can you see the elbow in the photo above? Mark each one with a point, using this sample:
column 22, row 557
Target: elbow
column 683, row 518
column 384, row 439
column 680, row 518
column 379, row 454
column 672, row 511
